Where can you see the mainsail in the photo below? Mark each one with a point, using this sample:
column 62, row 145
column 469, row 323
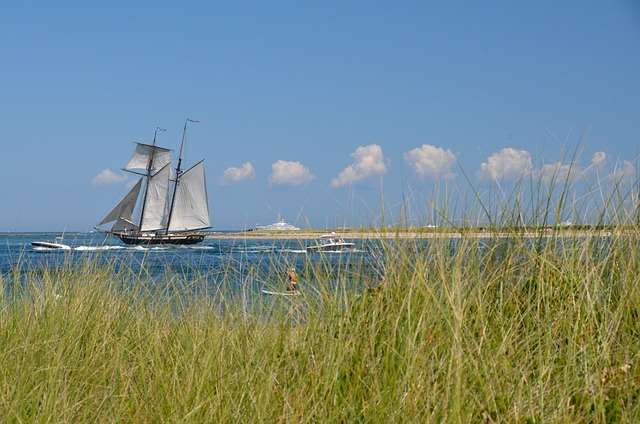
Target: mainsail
column 154, row 217
column 146, row 154
column 190, row 206
column 124, row 209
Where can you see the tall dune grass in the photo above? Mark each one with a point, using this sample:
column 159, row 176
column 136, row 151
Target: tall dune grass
column 517, row 329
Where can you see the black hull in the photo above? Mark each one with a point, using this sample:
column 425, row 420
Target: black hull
column 147, row 240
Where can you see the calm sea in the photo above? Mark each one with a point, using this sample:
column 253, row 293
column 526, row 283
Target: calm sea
column 210, row 257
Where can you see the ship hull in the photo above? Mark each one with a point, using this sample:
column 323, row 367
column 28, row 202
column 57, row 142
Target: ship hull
column 156, row 239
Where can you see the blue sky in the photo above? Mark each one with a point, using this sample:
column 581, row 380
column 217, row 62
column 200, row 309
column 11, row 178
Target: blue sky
column 307, row 84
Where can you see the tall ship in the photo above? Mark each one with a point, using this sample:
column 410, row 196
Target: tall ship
column 165, row 205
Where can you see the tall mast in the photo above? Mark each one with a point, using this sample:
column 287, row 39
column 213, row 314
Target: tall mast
column 178, row 172
column 149, row 168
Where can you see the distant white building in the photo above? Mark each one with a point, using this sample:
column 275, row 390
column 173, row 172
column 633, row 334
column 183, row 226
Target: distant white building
column 278, row 226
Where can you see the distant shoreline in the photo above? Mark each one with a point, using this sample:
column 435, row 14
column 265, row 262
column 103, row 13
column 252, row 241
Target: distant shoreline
column 404, row 234
column 436, row 233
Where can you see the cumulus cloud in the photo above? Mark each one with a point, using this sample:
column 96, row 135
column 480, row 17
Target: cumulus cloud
column 236, row 174
column 368, row 162
column 558, row 172
column 107, row 176
column 598, row 159
column 625, row 171
column 506, row 164
column 431, row 161
column 290, row 173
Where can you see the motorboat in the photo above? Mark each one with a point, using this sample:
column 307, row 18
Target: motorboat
column 57, row 245
column 331, row 243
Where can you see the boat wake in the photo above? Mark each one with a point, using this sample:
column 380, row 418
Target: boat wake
column 340, row 251
column 254, row 249
column 48, row 249
column 146, row 249
column 197, row 247
column 298, row 251
column 97, row 248
column 138, row 248
column 102, row 248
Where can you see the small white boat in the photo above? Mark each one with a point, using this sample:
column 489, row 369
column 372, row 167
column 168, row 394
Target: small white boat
column 331, row 243
column 47, row 245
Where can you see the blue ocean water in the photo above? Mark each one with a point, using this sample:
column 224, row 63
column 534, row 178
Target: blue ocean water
column 211, row 257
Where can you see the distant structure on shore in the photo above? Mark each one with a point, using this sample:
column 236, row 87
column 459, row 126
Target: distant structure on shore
column 281, row 225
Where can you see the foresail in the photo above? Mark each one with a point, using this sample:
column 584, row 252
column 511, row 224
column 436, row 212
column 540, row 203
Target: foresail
column 124, row 209
column 142, row 155
column 154, row 217
column 191, row 209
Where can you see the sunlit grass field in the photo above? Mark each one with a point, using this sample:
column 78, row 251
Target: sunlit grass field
column 518, row 329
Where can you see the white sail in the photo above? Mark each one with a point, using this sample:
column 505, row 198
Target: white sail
column 154, row 217
column 124, row 209
column 123, row 224
column 142, row 155
column 190, row 207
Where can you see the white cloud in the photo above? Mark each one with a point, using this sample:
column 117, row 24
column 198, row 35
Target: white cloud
column 290, row 173
column 431, row 161
column 598, row 159
column 558, row 172
column 107, row 176
column 368, row 162
column 626, row 171
column 506, row 164
column 237, row 174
